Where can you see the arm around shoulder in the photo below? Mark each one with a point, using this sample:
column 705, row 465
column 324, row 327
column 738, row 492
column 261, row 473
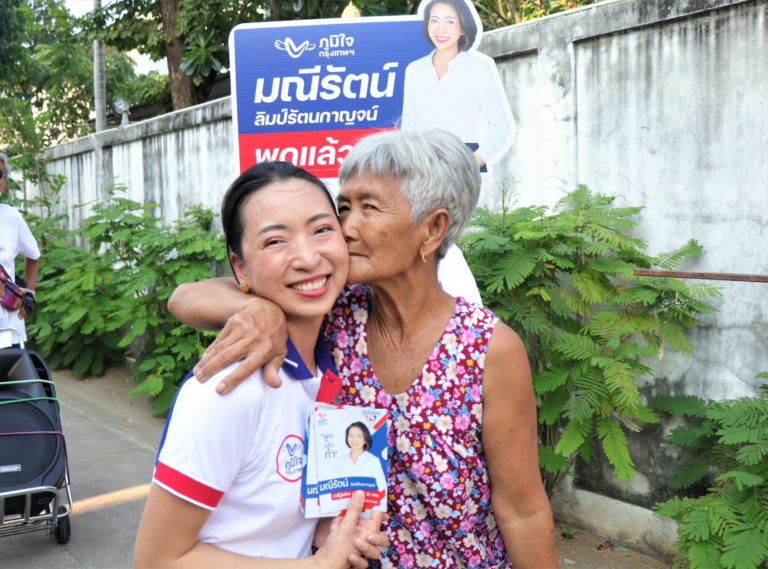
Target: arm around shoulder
column 206, row 305
column 510, row 443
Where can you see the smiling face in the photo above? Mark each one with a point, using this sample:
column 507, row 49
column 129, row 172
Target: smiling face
column 356, row 439
column 293, row 251
column 444, row 27
column 383, row 239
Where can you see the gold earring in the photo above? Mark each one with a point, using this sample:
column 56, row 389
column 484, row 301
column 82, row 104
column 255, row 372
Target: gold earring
column 423, row 259
column 244, row 288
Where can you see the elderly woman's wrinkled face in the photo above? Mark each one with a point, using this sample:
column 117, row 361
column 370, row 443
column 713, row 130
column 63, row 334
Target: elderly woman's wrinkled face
column 383, row 239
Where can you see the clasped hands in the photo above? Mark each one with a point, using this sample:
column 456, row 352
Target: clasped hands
column 349, row 541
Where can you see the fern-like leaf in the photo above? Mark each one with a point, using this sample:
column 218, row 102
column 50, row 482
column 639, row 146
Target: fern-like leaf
column 615, row 447
column 689, row 473
column 589, row 395
column 704, row 556
column 745, row 548
column 576, row 346
column 553, row 462
column 741, row 479
column 590, row 288
column 696, row 525
column 549, row 380
column 692, row 436
column 672, row 259
column 752, row 454
column 681, row 405
column 516, row 267
column 620, row 381
column 574, row 435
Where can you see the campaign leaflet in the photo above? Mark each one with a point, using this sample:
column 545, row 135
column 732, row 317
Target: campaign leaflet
column 346, row 451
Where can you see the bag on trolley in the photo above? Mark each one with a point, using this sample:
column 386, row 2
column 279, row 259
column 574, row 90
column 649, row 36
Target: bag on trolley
column 34, row 485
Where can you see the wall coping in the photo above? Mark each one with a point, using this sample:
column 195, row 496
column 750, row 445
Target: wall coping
column 219, row 109
column 603, row 18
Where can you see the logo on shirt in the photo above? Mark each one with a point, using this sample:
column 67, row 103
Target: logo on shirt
column 290, row 458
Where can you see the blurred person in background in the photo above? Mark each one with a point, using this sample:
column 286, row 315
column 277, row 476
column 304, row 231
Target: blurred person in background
column 16, row 300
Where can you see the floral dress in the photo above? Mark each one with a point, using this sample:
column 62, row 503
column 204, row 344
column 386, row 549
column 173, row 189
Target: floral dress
column 439, row 490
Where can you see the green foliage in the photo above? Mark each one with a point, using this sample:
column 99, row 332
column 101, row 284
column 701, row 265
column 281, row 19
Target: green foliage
column 728, row 526
column 45, row 87
column 108, row 295
column 564, row 281
column 200, row 57
column 203, row 26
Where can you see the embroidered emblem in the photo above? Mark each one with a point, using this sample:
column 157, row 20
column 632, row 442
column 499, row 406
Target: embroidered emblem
column 290, row 458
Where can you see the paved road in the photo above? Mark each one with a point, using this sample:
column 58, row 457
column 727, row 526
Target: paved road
column 111, row 441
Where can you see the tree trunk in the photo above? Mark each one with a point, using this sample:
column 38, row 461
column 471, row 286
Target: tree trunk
column 183, row 92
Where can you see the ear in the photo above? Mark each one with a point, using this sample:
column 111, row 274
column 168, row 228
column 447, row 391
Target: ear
column 435, row 227
column 239, row 268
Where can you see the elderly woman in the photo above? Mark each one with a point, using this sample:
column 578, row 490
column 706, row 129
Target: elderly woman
column 15, row 239
column 464, row 484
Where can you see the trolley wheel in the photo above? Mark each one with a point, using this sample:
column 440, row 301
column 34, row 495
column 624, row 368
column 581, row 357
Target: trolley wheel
column 63, row 528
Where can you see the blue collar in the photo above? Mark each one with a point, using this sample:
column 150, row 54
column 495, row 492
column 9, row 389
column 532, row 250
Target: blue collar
column 294, row 366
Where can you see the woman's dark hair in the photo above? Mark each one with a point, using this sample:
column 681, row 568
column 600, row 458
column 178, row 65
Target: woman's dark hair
column 467, row 21
column 366, row 434
column 250, row 182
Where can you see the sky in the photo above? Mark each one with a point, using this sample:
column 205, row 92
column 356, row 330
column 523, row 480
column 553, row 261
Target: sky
column 143, row 63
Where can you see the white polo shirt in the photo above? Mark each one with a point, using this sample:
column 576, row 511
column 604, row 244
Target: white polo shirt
column 469, row 101
column 240, row 455
column 15, row 239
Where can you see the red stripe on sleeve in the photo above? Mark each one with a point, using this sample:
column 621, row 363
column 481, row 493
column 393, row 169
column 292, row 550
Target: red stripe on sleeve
column 187, row 487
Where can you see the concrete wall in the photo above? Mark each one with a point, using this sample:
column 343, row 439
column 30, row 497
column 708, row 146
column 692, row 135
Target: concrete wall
column 177, row 160
column 662, row 103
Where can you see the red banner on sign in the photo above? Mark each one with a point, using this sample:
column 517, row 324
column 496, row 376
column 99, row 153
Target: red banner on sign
column 319, row 152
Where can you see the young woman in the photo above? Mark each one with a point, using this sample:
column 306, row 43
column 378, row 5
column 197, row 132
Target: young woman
column 226, row 486
column 456, row 90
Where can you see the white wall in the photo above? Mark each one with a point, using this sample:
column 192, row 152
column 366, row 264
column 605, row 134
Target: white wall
column 664, row 105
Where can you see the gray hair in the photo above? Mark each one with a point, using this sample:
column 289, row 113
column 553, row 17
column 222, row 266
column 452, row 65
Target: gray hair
column 4, row 160
column 435, row 168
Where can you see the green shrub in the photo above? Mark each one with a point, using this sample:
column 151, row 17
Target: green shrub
column 108, row 295
column 728, row 526
column 565, row 283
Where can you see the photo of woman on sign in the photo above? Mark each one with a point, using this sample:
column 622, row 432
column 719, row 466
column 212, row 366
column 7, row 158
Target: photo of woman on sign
column 360, row 462
column 454, row 87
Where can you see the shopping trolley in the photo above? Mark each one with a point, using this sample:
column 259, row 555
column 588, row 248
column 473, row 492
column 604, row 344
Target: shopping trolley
column 34, row 476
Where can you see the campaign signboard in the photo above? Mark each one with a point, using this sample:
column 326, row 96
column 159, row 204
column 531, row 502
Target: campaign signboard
column 307, row 91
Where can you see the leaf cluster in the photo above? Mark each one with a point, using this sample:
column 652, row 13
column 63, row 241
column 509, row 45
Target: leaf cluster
column 45, row 87
column 727, row 527
column 564, row 281
column 107, row 296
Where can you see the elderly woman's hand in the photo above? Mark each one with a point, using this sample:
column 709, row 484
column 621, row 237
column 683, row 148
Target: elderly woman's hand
column 257, row 335
column 370, row 540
